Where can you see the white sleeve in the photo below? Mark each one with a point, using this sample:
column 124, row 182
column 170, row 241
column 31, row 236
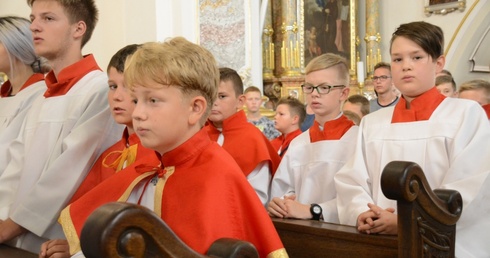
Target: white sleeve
column 282, row 182
column 259, row 178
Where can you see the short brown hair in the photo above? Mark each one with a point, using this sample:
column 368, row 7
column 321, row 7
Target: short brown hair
column 295, row 107
column 228, row 74
column 428, row 36
column 175, row 62
column 382, row 65
column 441, row 79
column 252, row 89
column 119, row 58
column 79, row 10
column 360, row 100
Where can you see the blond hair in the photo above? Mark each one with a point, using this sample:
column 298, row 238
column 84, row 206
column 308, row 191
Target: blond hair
column 327, row 61
column 175, row 62
column 475, row 85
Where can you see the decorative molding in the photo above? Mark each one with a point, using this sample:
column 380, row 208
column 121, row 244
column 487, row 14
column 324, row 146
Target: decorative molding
column 444, row 8
column 480, row 58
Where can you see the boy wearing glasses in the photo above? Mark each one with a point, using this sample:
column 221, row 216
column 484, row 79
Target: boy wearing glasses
column 383, row 87
column 303, row 186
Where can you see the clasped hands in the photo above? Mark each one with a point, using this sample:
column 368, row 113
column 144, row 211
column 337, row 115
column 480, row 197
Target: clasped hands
column 377, row 220
column 288, row 207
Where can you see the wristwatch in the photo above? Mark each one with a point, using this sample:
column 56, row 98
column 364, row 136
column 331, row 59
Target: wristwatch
column 316, row 211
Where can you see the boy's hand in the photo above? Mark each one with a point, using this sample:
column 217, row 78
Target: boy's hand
column 9, row 230
column 57, row 248
column 378, row 221
column 277, row 208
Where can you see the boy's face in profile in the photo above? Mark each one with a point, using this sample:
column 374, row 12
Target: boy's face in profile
column 52, row 31
column 161, row 117
column 446, row 89
column 119, row 98
column 253, row 100
column 226, row 104
column 412, row 69
column 354, row 108
column 325, row 106
column 284, row 120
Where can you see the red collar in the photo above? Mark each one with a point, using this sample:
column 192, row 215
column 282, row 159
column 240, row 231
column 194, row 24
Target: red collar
column 6, row 89
column 69, row 76
column 421, row 108
column 332, row 130
column 487, row 110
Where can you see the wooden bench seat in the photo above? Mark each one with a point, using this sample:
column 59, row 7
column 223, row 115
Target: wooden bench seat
column 12, row 252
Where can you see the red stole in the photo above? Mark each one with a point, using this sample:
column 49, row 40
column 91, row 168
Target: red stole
column 69, row 76
column 6, row 89
column 108, row 162
column 282, row 142
column 332, row 130
column 487, row 109
column 421, row 108
column 205, row 181
column 246, row 144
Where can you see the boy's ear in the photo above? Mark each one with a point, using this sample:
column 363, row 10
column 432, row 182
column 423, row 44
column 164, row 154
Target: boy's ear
column 240, row 101
column 295, row 120
column 198, row 105
column 80, row 29
column 344, row 94
column 440, row 62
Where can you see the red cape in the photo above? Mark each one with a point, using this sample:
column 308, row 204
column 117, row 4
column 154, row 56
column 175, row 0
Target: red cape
column 282, row 142
column 101, row 171
column 203, row 183
column 246, row 144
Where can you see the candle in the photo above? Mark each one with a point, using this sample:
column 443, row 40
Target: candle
column 360, row 72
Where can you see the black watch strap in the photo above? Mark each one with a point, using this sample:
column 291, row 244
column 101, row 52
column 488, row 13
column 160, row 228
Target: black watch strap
column 316, row 211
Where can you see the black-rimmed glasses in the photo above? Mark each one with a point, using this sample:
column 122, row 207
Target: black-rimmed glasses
column 381, row 78
column 321, row 89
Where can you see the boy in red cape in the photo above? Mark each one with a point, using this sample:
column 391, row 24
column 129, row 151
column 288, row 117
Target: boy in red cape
column 228, row 126
column 290, row 114
column 174, row 84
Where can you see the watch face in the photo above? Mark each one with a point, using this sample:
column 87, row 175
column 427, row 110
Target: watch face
column 317, row 209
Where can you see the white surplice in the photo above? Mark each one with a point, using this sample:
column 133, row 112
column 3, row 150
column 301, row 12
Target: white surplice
column 307, row 170
column 453, row 150
column 60, row 140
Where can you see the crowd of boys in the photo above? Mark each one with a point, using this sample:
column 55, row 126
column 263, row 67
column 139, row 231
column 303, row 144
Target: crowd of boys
column 164, row 127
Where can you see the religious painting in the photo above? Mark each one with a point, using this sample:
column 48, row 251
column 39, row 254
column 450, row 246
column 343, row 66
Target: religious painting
column 329, row 26
column 444, row 6
column 293, row 91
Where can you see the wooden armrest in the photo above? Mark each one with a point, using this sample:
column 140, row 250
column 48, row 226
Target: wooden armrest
column 128, row 230
column 14, row 252
column 426, row 219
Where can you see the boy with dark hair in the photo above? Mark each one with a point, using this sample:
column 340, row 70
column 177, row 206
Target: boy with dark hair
column 228, row 126
column 65, row 130
column 303, row 186
column 174, row 84
column 448, row 138
column 357, row 104
column 290, row 114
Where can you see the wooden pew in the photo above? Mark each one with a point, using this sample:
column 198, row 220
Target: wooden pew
column 426, row 219
column 129, row 230
column 12, row 252
column 426, row 223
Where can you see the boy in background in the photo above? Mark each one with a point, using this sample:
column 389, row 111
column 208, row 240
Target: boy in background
column 290, row 114
column 253, row 102
column 174, row 84
column 448, row 138
column 446, row 85
column 383, row 87
column 228, row 126
column 303, row 186
column 477, row 90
